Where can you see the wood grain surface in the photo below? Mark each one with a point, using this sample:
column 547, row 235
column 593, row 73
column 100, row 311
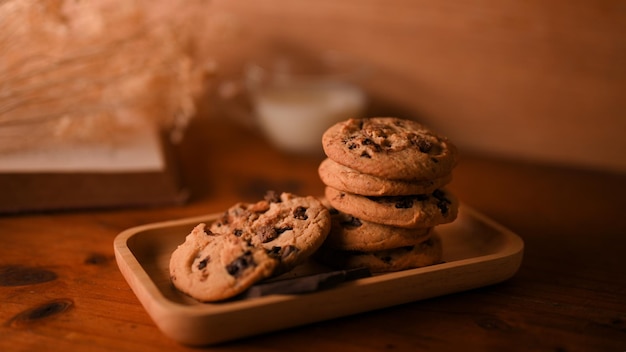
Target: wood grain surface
column 61, row 290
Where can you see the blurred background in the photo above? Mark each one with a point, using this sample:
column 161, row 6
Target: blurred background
column 533, row 80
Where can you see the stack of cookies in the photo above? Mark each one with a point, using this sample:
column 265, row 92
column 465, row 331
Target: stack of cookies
column 385, row 181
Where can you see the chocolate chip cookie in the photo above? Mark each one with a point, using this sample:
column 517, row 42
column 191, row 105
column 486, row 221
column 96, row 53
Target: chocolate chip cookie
column 390, row 148
column 350, row 180
column 212, row 267
column 426, row 253
column 413, row 211
column 353, row 234
column 289, row 227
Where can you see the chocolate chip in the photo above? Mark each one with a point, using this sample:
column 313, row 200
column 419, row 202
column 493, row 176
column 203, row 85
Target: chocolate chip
column 282, row 252
column 365, row 155
column 274, row 251
column 443, row 203
column 352, row 146
column 423, row 144
column 348, row 139
column 266, row 233
column 280, row 230
column 272, row 197
column 238, row 232
column 372, row 144
column 439, row 194
column 352, row 222
column 237, row 266
column 300, row 213
column 443, row 207
column 202, row 264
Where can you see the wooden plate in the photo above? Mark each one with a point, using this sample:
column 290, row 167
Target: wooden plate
column 477, row 252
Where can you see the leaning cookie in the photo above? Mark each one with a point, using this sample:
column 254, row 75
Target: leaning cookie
column 428, row 252
column 289, row 227
column 415, row 211
column 210, row 267
column 388, row 147
column 353, row 234
column 350, row 180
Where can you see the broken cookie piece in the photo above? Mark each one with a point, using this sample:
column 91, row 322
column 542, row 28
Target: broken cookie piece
column 212, row 267
column 248, row 243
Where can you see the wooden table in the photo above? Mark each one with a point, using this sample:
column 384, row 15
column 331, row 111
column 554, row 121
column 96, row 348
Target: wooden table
column 60, row 288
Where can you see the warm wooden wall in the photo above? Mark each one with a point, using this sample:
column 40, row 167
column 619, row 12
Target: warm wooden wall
column 539, row 80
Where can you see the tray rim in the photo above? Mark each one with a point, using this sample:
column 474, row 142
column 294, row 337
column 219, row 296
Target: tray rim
column 158, row 305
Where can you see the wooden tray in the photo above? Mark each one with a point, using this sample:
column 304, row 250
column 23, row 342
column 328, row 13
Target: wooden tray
column 477, row 252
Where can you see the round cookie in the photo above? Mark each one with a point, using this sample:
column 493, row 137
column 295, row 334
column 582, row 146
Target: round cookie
column 350, row 233
column 414, row 211
column 349, row 180
column 210, row 267
column 290, row 228
column 389, row 147
column 428, row 252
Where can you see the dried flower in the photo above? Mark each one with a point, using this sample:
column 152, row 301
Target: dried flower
column 89, row 71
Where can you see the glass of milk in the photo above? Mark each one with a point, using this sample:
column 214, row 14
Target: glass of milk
column 294, row 106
